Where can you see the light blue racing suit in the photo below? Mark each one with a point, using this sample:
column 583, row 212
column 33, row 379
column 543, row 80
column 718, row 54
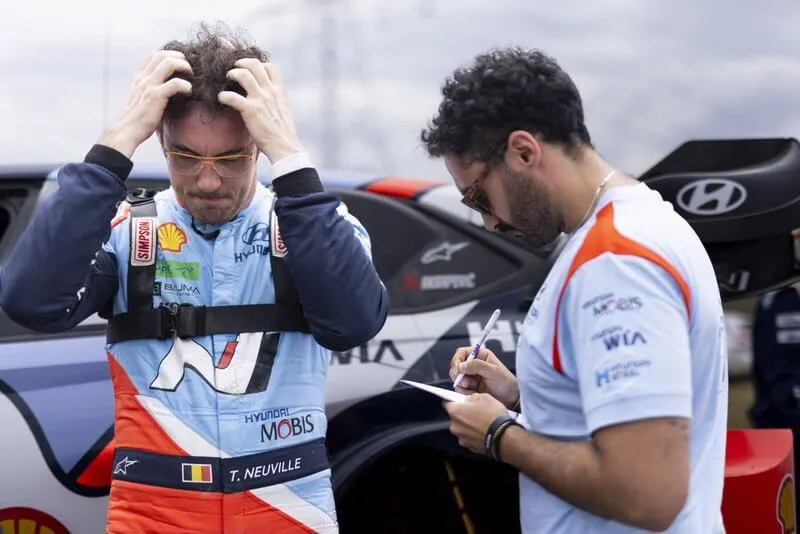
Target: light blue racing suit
column 214, row 433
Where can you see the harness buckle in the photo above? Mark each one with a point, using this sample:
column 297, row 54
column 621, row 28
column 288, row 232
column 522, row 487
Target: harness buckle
column 182, row 320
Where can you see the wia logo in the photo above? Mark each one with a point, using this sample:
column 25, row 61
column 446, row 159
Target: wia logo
column 614, row 338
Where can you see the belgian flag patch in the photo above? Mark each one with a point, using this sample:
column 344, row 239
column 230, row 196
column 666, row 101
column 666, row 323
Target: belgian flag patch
column 196, row 473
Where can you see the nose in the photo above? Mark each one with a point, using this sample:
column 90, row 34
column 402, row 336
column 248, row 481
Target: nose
column 490, row 222
column 208, row 181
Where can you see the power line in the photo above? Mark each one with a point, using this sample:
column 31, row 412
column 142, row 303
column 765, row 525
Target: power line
column 328, row 16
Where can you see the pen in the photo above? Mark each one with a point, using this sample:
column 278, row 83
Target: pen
column 477, row 347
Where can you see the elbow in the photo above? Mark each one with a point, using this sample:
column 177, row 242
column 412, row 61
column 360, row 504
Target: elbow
column 659, row 511
column 16, row 308
column 361, row 326
column 26, row 314
column 28, row 318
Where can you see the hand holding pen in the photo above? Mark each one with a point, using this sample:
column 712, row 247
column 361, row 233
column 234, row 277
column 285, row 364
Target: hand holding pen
column 476, row 369
column 477, row 347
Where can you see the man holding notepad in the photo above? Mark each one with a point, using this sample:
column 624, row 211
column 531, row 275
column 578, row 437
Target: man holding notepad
column 621, row 365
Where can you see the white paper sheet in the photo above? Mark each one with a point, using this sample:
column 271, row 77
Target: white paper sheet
column 449, row 395
column 446, row 394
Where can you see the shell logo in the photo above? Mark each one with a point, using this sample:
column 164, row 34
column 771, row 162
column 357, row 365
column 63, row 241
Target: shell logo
column 785, row 506
column 20, row 520
column 171, row 238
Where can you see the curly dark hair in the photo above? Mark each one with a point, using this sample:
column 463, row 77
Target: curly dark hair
column 502, row 91
column 211, row 51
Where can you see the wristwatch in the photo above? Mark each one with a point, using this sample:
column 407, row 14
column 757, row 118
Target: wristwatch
column 491, row 444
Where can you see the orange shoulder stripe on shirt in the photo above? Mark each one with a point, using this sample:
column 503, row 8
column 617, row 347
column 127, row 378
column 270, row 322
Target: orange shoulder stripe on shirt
column 603, row 237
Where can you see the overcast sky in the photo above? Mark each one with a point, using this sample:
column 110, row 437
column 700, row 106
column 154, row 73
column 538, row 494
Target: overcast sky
column 652, row 74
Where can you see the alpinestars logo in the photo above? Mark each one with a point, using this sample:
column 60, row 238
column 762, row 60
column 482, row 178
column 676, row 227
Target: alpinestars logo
column 443, row 252
column 122, row 467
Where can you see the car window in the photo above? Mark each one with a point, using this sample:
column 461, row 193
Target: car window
column 5, row 220
column 429, row 261
column 18, row 199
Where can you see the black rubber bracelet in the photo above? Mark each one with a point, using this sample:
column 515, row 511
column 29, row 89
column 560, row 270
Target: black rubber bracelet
column 500, row 421
column 499, row 434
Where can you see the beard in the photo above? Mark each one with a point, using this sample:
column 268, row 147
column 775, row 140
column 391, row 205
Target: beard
column 533, row 217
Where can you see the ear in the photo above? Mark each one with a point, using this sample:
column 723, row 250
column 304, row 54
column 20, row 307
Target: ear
column 160, row 134
column 523, row 150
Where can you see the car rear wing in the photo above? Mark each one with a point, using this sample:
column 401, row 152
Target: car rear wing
column 742, row 197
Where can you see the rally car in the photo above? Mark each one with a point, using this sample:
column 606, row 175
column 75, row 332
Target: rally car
column 396, row 468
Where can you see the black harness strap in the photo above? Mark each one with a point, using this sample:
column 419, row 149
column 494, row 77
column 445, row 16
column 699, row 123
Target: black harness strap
column 142, row 259
column 143, row 321
column 285, row 292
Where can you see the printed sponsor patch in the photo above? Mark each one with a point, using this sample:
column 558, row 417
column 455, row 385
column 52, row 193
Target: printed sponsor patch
column 143, row 242
column 171, row 237
column 276, row 241
column 785, row 506
column 197, row 473
column 188, row 270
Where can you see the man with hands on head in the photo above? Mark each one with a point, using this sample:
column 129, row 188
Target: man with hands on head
column 621, row 365
column 224, row 298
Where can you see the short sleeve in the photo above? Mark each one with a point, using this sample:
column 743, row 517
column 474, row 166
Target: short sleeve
column 626, row 328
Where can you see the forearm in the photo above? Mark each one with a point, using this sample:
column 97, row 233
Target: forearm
column 343, row 297
column 574, row 471
column 52, row 267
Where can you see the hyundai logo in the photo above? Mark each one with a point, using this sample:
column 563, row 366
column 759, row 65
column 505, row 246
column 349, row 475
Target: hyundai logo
column 712, row 196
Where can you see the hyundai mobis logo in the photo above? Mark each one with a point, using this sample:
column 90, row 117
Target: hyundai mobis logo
column 281, row 423
column 712, row 196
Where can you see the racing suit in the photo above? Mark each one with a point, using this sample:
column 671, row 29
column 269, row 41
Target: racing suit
column 776, row 364
column 221, row 432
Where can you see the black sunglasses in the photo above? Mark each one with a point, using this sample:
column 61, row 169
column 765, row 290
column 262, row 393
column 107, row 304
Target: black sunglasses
column 475, row 198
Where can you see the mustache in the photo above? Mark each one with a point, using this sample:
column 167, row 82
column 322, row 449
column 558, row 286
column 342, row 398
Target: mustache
column 505, row 228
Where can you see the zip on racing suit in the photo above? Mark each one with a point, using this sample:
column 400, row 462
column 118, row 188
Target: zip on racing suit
column 221, row 431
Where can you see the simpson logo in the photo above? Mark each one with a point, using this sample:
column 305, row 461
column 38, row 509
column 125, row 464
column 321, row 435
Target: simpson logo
column 785, row 506
column 171, row 237
column 276, row 241
column 143, row 242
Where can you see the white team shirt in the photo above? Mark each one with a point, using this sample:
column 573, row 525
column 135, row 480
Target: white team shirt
column 628, row 325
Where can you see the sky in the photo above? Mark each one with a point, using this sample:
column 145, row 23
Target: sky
column 652, row 74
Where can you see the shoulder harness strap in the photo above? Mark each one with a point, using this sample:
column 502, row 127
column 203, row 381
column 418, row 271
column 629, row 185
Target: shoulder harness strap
column 143, row 321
